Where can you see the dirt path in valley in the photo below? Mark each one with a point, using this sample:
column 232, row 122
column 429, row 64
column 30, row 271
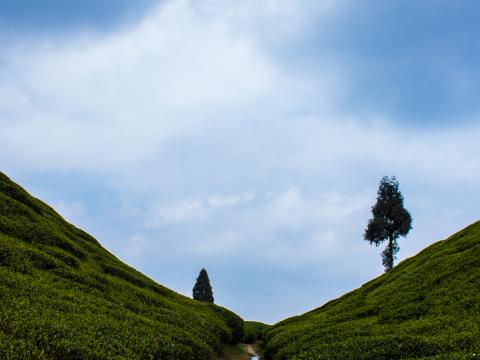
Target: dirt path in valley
column 249, row 349
column 238, row 352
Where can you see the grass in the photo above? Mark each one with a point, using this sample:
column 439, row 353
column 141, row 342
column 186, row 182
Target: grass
column 63, row 296
column 254, row 331
column 427, row 307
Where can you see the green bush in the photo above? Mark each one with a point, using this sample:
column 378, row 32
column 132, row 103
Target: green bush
column 234, row 322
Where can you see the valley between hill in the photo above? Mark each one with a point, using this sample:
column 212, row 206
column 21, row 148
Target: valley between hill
column 63, row 296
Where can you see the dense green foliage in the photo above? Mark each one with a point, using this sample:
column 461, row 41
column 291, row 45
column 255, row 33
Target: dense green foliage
column 429, row 305
column 202, row 290
column 254, row 331
column 234, row 322
column 390, row 220
column 62, row 296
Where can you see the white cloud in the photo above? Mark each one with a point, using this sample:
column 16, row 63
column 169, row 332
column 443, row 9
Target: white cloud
column 286, row 209
column 184, row 211
column 116, row 99
column 219, row 244
column 135, row 247
column 72, row 211
column 194, row 209
column 219, row 201
column 206, row 135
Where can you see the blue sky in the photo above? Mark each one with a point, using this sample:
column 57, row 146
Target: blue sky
column 50, row 16
column 246, row 137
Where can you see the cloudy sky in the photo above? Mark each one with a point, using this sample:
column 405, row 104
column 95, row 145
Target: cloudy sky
column 247, row 137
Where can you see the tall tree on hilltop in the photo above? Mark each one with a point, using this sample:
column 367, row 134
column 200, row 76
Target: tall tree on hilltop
column 390, row 220
column 202, row 291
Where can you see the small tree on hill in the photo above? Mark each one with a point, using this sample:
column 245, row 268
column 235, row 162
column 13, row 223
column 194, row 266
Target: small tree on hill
column 390, row 220
column 202, row 291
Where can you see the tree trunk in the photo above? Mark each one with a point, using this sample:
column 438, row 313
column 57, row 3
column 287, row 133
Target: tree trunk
column 390, row 253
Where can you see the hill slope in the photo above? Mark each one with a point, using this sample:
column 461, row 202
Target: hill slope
column 63, row 296
column 429, row 305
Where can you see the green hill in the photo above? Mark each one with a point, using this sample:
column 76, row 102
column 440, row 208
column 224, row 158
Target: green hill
column 427, row 307
column 254, row 331
column 63, row 296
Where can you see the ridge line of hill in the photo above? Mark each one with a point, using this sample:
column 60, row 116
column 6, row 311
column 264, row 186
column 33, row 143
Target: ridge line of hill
column 428, row 307
column 63, row 296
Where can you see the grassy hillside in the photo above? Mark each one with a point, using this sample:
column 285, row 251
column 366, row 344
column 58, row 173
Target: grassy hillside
column 63, row 296
column 428, row 306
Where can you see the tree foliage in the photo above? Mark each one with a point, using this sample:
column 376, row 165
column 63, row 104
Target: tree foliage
column 202, row 291
column 390, row 220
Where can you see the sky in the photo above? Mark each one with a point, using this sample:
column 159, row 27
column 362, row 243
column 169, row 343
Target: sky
column 247, row 137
